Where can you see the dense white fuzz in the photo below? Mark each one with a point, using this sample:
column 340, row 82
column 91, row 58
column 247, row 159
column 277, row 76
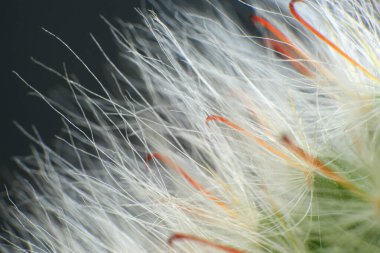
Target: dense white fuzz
column 285, row 162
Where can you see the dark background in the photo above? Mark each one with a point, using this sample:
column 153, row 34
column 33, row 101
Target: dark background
column 22, row 38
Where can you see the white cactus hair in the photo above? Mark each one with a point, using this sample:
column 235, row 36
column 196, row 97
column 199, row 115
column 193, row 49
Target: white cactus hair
column 216, row 140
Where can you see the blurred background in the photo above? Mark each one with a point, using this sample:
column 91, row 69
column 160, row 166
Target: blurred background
column 22, row 38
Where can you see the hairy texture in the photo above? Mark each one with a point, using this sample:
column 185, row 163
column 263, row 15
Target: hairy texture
column 214, row 139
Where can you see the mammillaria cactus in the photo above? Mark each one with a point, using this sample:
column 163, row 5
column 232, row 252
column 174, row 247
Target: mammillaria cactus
column 217, row 139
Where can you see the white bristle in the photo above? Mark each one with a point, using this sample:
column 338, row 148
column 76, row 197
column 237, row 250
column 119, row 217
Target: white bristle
column 209, row 132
